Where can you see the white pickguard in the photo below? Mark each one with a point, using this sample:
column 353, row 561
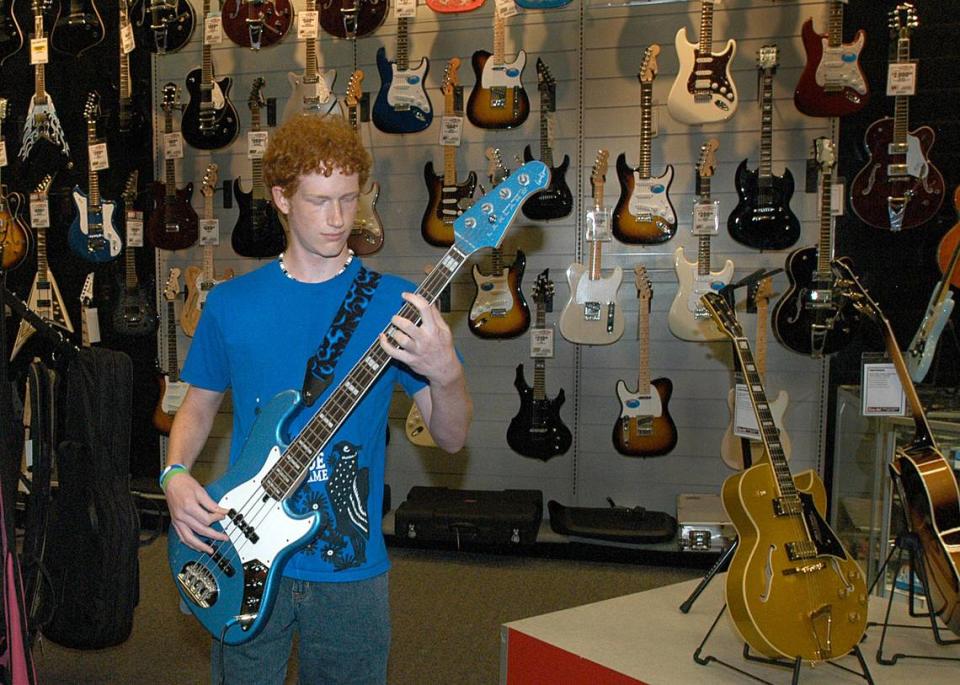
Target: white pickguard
column 577, row 324
column 503, row 75
column 917, row 165
column 688, row 320
column 47, row 303
column 681, row 102
column 924, row 344
column 497, row 298
column 109, row 232
column 838, row 66
column 632, row 404
column 173, row 394
column 730, row 450
column 649, row 197
column 313, row 98
column 406, row 88
column 42, row 122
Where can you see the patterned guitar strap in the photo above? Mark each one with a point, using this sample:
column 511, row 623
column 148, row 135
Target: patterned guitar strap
column 320, row 366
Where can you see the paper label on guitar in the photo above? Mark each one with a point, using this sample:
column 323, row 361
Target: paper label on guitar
column 39, row 54
column 837, row 197
column 98, row 157
column 706, row 218
column 506, row 8
column 882, row 394
column 28, row 452
column 173, row 396
column 213, row 29
column 451, row 130
column 127, row 43
column 307, row 23
column 39, row 211
column 92, row 319
column 744, row 420
column 209, row 231
column 901, row 79
column 406, row 9
column 598, row 225
column 541, row 343
column 134, row 228
column 3, row 153
column 172, row 145
column 257, row 144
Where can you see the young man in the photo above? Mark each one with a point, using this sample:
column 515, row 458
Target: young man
column 256, row 336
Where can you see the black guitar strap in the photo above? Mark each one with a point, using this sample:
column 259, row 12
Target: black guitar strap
column 320, row 366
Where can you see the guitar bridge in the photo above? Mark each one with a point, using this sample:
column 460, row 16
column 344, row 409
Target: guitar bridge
column 199, row 584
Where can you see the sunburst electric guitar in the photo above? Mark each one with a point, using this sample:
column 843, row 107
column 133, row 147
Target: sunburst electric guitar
column 14, row 235
column 498, row 98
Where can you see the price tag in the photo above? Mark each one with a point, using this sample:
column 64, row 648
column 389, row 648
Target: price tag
column 209, row 231
column 98, row 157
column 134, row 228
column 28, row 452
column 451, row 130
column 406, row 8
column 706, row 218
column 882, row 394
column 744, row 420
column 506, row 8
column 307, row 23
column 213, row 29
column 38, row 51
column 39, row 211
column 93, row 324
column 598, row 225
column 127, row 43
column 3, row 153
column 837, row 199
column 541, row 343
column 901, row 79
column 256, row 144
column 172, row 145
column 173, row 394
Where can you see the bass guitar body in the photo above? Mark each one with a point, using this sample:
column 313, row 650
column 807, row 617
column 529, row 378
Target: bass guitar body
column 352, row 18
column 645, row 427
column 446, row 204
column 402, row 104
column 173, row 222
column 698, row 97
column 592, row 315
column 14, row 235
column 762, row 218
column 92, row 235
column 556, row 201
column 258, row 23
column 792, row 589
column 687, row 318
column 902, row 200
column 498, row 99
column 832, row 83
column 209, row 125
column 499, row 309
column 644, row 214
column 258, row 232
column 537, row 430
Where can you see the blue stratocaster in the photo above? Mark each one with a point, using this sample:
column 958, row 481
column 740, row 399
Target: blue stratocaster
column 402, row 104
column 232, row 591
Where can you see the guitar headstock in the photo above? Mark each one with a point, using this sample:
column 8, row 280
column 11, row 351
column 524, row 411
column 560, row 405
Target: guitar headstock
column 546, row 84
column 91, row 109
column 598, row 175
column 256, row 99
column 3, row 109
column 86, row 293
column 707, row 162
column 496, row 169
column 648, row 68
column 903, row 20
column 825, row 152
column 172, row 287
column 543, row 288
column 852, row 290
column 768, row 58
column 450, row 73
column 171, row 98
column 39, row 7
column 644, row 286
column 210, row 177
column 723, row 314
column 130, row 189
column 43, row 187
column 354, row 88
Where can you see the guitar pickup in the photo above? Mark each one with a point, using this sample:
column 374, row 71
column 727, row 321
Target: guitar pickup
column 797, row 551
column 591, row 311
column 787, row 506
column 897, row 170
column 611, row 310
column 498, row 97
column 897, row 149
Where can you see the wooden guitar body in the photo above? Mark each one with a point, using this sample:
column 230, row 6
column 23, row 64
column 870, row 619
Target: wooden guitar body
column 762, row 218
column 366, row 236
column 900, row 201
column 14, row 234
column 687, row 318
column 498, row 99
column 352, row 18
column 556, row 201
column 499, row 309
column 685, row 105
column 416, row 430
column 197, row 290
column 645, row 427
column 832, row 83
column 644, row 214
column 446, row 203
column 537, row 430
column 258, row 232
column 792, row 589
column 214, row 126
column 173, row 222
column 402, row 104
column 165, row 27
column 592, row 315
column 170, row 398
column 256, row 23
column 730, row 447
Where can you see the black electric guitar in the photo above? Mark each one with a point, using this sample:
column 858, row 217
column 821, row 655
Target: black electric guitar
column 810, row 318
column 130, row 118
column 210, row 120
column 165, row 25
column 11, row 35
column 556, row 201
column 258, row 232
column 537, row 430
column 134, row 313
column 42, row 120
column 763, row 218
column 78, row 27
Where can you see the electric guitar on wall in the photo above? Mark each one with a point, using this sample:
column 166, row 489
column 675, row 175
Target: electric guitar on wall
column 92, row 235
column 130, row 119
column 256, row 24
column 366, row 236
column 731, row 447
column 498, row 99
column 42, row 121
column 448, row 197
column 258, row 232
column 414, row 427
column 898, row 187
column 172, row 389
column 447, row 6
column 537, row 430
column 832, row 83
column 210, row 120
column 14, row 235
column 232, row 591
column 644, row 213
column 11, row 35
column 763, row 218
column 311, row 92
column 78, row 27
column 703, row 91
column 810, row 317
column 134, row 313
column 793, row 590
column 402, row 104
column 593, row 315
column 688, row 320
column 200, row 281
column 645, row 427
column 352, row 19
column 556, row 201
column 173, row 222
column 86, row 299
column 165, row 25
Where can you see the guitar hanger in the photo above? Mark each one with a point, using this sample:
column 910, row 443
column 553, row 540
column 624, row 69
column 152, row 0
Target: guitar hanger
column 63, row 348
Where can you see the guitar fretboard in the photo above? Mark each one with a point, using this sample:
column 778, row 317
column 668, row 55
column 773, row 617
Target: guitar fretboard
column 835, row 24
column 764, row 172
column 646, row 127
column 258, row 190
column 169, row 165
column 40, row 86
column 311, row 71
column 703, row 241
column 173, row 362
column 124, row 58
column 499, row 31
column 901, row 108
column 540, row 363
column 546, row 112
column 825, row 245
column 403, row 58
column 92, row 176
column 706, row 26
column 206, row 79
column 643, row 334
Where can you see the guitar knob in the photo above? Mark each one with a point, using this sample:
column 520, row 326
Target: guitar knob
column 523, row 179
column 504, row 193
column 487, row 208
column 470, row 223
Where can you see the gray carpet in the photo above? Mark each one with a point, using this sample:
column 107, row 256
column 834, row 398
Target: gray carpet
column 447, row 608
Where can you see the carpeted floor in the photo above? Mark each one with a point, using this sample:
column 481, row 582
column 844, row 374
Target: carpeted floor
column 447, row 608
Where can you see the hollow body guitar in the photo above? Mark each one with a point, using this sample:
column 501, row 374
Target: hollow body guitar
column 165, row 26
column 256, row 24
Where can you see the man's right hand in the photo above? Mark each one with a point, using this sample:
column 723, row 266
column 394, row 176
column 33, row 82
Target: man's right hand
column 192, row 511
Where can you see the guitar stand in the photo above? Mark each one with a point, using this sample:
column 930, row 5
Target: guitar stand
column 719, row 566
column 794, row 666
column 908, row 542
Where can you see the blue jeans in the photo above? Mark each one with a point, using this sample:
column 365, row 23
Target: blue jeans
column 344, row 636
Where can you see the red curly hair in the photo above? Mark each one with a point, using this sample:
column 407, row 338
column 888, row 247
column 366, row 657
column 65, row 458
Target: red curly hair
column 307, row 144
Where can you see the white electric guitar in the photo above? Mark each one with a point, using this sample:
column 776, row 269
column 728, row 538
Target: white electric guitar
column 704, row 90
column 688, row 319
column 42, row 121
column 312, row 91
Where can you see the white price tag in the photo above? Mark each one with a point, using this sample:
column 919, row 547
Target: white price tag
column 28, row 452
column 706, row 218
column 39, row 54
column 93, row 324
column 744, row 420
column 3, row 153
column 209, row 231
column 39, row 211
column 451, row 131
column 541, row 343
column 506, row 8
column 256, row 144
column 837, row 198
column 213, row 29
column 307, row 22
column 172, row 145
column 598, row 225
column 134, row 228
column 98, row 157
column 127, row 42
column 901, row 79
column 882, row 394
column 406, row 9
column 173, row 394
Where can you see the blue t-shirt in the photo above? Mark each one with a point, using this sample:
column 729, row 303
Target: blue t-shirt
column 255, row 337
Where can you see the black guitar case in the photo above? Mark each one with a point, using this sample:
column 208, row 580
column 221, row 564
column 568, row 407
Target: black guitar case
column 616, row 524
column 93, row 536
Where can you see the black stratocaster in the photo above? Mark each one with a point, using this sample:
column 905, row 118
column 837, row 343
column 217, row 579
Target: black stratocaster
column 556, row 201
column 130, row 119
column 134, row 313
